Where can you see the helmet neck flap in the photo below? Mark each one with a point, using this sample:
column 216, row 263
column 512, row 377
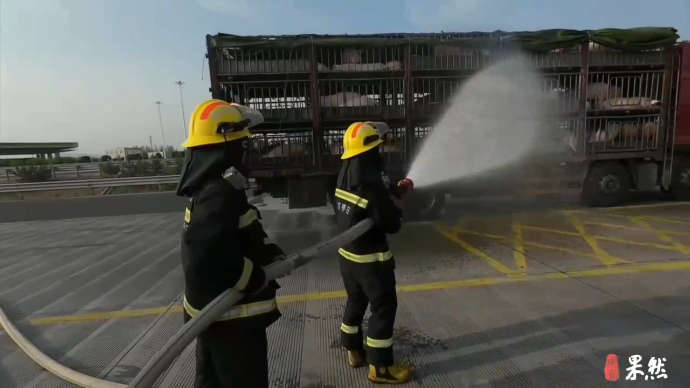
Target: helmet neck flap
column 203, row 164
column 361, row 170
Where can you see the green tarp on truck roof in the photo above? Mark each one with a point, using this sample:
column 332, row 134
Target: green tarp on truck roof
column 631, row 39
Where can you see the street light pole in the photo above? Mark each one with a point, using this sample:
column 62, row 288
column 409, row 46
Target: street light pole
column 184, row 121
column 160, row 119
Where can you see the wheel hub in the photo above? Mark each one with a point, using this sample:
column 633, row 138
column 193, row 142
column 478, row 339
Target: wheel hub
column 684, row 179
column 422, row 202
column 429, row 202
column 609, row 184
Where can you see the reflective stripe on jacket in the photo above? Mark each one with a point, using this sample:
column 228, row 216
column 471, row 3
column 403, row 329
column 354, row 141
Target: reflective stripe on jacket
column 239, row 311
column 355, row 206
column 367, row 258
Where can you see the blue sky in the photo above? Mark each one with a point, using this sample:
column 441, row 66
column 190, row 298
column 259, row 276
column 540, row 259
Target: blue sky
column 90, row 70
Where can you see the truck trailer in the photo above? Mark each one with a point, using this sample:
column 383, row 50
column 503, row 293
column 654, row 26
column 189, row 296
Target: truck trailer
column 624, row 100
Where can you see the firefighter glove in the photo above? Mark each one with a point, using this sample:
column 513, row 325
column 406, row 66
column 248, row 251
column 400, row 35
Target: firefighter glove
column 273, row 252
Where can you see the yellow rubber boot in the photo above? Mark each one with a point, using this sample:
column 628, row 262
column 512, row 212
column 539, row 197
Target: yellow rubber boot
column 396, row 374
column 355, row 358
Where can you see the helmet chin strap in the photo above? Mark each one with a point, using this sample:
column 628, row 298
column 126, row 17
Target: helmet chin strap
column 237, row 172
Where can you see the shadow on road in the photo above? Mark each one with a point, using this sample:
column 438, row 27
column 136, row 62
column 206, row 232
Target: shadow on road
column 592, row 332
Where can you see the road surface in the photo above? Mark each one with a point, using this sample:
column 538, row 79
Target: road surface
column 538, row 299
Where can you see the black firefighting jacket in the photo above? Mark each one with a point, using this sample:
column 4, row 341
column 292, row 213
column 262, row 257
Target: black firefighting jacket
column 368, row 201
column 221, row 231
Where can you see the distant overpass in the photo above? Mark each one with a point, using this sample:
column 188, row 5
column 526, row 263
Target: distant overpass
column 41, row 150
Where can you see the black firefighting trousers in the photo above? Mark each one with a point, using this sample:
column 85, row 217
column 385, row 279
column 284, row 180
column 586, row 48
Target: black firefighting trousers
column 369, row 283
column 227, row 358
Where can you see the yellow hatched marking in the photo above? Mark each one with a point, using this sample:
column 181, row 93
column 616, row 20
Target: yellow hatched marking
column 610, row 213
column 469, row 248
column 660, row 233
column 618, row 226
column 527, row 243
column 519, row 247
column 682, row 249
column 600, row 253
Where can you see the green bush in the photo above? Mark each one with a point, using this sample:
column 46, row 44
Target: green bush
column 84, row 159
column 155, row 167
column 109, row 168
column 106, row 158
column 134, row 157
column 176, row 169
column 137, row 168
column 33, row 173
column 19, row 162
column 64, row 160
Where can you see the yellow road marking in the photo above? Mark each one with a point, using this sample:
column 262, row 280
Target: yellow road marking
column 518, row 254
column 660, row 233
column 469, row 248
column 434, row 286
column 651, row 205
column 601, row 212
column 667, row 220
column 528, row 243
column 618, row 226
column 601, row 254
column 680, row 248
column 610, row 213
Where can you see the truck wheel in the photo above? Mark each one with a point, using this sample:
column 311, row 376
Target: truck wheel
column 424, row 206
column 680, row 184
column 606, row 184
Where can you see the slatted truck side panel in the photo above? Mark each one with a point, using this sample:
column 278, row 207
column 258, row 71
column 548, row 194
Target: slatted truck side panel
column 272, row 75
column 679, row 178
column 615, row 92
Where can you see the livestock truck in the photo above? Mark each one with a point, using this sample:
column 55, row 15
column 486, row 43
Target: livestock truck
column 624, row 103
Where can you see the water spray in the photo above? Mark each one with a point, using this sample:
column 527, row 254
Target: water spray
column 498, row 116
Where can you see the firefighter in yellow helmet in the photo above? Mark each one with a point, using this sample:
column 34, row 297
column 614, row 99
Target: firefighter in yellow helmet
column 367, row 265
column 223, row 247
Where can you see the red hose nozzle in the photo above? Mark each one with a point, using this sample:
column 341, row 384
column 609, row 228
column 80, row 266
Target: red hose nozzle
column 405, row 185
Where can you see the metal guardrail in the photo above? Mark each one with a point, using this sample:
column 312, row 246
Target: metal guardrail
column 88, row 184
column 77, row 169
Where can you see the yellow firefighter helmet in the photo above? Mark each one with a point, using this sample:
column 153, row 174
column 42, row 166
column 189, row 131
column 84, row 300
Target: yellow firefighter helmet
column 217, row 121
column 363, row 136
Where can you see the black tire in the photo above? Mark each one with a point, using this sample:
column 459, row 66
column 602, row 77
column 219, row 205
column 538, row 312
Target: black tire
column 424, row 206
column 330, row 197
column 606, row 184
column 434, row 211
column 680, row 183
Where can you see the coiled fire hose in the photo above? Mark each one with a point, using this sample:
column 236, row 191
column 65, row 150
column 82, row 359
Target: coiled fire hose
column 164, row 357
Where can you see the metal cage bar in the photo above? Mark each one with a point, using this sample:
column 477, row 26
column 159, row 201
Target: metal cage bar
column 610, row 101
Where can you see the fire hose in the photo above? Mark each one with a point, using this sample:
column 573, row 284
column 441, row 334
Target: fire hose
column 174, row 347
